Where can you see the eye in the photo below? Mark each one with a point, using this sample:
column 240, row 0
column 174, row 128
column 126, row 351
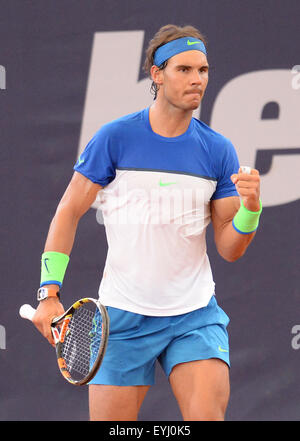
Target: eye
column 203, row 70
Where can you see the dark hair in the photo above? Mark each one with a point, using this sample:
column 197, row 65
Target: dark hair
column 165, row 34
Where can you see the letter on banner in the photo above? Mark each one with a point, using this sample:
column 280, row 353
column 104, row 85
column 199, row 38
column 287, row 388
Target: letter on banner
column 2, row 77
column 2, row 337
column 237, row 115
column 113, row 89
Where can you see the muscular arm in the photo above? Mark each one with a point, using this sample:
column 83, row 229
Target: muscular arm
column 77, row 199
column 230, row 244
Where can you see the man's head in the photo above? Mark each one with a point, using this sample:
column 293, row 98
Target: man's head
column 178, row 65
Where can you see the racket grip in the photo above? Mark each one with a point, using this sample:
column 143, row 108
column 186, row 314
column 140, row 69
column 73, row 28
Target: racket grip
column 27, row 312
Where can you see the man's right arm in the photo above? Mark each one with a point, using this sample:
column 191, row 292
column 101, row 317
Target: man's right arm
column 77, row 199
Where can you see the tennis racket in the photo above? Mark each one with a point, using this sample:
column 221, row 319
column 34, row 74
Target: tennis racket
column 80, row 336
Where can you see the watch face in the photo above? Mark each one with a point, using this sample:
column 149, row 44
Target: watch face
column 42, row 293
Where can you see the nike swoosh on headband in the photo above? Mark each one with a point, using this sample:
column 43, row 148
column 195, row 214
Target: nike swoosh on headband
column 189, row 43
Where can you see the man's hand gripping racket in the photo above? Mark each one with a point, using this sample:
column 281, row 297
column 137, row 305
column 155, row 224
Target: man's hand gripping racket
column 80, row 336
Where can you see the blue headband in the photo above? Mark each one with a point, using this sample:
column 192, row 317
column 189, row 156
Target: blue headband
column 175, row 47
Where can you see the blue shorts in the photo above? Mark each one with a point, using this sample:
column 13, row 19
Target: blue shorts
column 136, row 341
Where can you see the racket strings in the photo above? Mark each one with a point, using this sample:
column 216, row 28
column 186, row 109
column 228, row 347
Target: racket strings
column 82, row 341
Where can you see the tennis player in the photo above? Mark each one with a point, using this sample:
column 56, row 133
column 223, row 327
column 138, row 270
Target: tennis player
column 163, row 176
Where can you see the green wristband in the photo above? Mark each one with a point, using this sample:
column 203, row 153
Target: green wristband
column 246, row 221
column 53, row 268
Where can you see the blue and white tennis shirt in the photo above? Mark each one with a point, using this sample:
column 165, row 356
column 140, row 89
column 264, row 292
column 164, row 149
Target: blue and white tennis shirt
column 156, row 208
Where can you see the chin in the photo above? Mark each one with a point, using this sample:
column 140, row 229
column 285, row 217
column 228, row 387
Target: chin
column 184, row 106
column 195, row 106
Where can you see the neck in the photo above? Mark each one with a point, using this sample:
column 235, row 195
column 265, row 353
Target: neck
column 169, row 121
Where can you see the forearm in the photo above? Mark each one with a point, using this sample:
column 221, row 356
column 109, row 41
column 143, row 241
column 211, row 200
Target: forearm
column 236, row 219
column 61, row 234
column 62, row 231
column 232, row 245
column 77, row 199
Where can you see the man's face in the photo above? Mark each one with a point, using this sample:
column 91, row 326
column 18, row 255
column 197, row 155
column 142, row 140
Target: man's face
column 184, row 80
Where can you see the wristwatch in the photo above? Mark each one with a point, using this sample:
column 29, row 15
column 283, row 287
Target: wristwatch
column 44, row 292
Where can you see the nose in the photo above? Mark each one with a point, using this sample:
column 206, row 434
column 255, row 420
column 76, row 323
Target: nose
column 197, row 78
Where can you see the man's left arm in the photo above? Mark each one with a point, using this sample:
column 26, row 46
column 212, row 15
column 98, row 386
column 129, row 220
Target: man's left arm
column 232, row 243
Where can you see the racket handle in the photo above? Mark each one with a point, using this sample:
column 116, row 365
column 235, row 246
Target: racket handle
column 246, row 169
column 27, row 312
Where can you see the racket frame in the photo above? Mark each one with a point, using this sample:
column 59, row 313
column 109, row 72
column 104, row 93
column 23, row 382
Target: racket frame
column 59, row 336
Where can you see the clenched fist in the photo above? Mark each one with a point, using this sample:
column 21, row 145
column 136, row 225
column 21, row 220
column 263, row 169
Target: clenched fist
column 248, row 187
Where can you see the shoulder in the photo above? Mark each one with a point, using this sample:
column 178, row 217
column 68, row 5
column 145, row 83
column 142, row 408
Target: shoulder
column 111, row 136
column 121, row 125
column 222, row 153
column 213, row 139
column 219, row 148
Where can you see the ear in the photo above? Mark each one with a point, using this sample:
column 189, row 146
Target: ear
column 157, row 75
